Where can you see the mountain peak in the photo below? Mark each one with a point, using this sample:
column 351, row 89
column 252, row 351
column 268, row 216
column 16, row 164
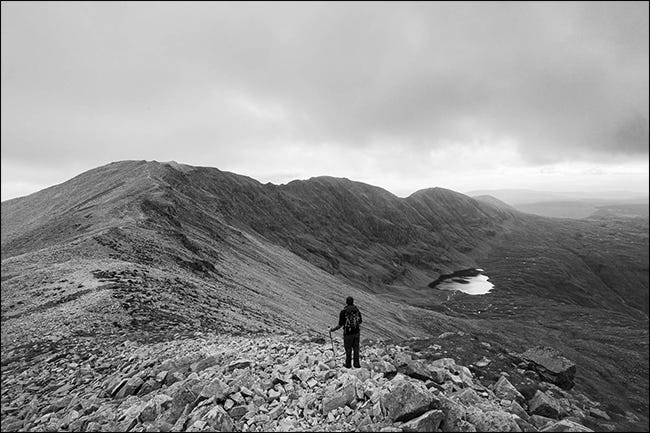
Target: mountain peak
column 438, row 193
column 330, row 179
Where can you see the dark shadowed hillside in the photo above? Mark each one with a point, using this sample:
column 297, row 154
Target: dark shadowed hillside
column 153, row 251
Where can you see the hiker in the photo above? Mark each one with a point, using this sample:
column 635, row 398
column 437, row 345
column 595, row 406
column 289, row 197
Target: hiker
column 349, row 320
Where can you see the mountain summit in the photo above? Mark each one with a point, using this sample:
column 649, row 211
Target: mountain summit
column 152, row 252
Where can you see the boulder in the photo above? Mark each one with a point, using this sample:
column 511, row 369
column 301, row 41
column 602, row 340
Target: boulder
column 181, row 399
column 427, row 422
column 112, row 385
column 203, row 364
column 447, row 363
column 149, row 386
column 505, row 390
column 361, row 374
column 389, row 428
column 466, row 396
column 218, row 420
column 377, row 413
column 340, row 397
column 544, row 405
column 196, row 414
column 465, row 375
column 15, row 425
column 401, row 358
column 408, row 400
column 550, row 365
column 415, row 369
column 515, row 408
column 174, row 377
column 160, row 376
column 540, row 421
column 154, row 407
column 491, row 420
column 197, row 426
column 384, row 367
column 244, row 379
column 238, row 411
column 455, row 381
column 62, row 403
column 240, row 363
column 130, row 387
column 597, row 413
column 565, row 407
column 217, row 389
column 525, row 425
column 71, row 417
column 446, row 335
column 276, row 412
column 238, row 398
column 454, row 414
column 465, row 426
column 438, row 374
column 566, row 426
column 129, row 418
column 92, row 426
column 78, row 424
column 273, row 394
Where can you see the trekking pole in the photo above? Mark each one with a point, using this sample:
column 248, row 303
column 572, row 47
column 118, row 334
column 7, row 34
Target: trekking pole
column 334, row 351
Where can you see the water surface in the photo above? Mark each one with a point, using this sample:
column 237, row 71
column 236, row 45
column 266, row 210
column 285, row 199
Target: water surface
column 478, row 285
column 470, row 281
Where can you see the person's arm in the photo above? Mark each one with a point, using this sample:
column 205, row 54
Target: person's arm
column 341, row 321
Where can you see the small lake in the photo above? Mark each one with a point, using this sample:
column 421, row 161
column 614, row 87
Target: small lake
column 470, row 281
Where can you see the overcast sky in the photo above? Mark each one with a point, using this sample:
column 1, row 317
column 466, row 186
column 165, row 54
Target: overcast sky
column 546, row 96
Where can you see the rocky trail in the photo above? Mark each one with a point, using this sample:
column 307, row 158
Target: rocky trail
column 292, row 382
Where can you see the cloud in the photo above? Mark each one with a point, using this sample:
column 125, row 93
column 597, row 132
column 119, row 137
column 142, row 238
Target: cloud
column 216, row 82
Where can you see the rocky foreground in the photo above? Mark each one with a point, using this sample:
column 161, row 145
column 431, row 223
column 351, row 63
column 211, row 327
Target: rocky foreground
column 203, row 382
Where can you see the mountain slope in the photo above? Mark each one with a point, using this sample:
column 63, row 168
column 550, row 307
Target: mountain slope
column 369, row 237
column 151, row 250
column 494, row 202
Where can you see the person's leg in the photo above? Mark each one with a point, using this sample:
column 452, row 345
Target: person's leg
column 347, row 343
column 355, row 347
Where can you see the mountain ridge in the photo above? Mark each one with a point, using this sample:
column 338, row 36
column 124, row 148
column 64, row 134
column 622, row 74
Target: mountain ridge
column 342, row 229
column 226, row 253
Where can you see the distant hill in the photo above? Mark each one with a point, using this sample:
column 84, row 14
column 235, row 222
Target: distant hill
column 574, row 205
column 622, row 211
column 585, row 209
column 149, row 250
column 525, row 196
column 559, row 209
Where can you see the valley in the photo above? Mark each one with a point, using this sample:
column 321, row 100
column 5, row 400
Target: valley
column 153, row 252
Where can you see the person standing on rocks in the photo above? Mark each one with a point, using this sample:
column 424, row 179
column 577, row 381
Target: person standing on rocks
column 350, row 320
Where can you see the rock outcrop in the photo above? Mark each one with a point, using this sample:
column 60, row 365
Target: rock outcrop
column 550, row 365
column 542, row 404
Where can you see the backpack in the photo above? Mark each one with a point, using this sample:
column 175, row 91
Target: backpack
column 352, row 319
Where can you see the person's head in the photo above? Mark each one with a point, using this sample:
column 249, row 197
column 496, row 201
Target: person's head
column 349, row 300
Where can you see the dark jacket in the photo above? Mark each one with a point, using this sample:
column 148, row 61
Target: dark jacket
column 342, row 317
